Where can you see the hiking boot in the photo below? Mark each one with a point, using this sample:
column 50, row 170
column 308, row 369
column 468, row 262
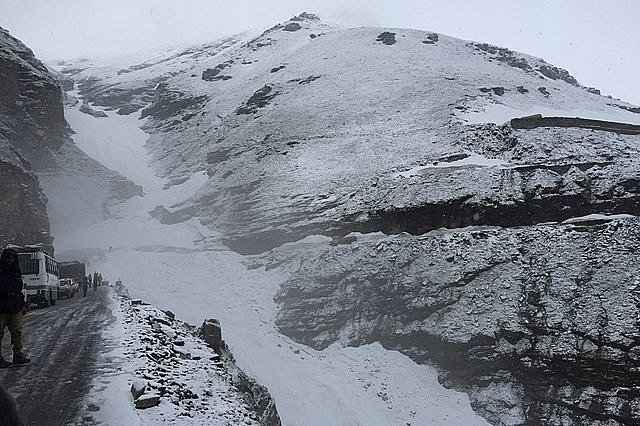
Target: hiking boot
column 19, row 358
column 4, row 363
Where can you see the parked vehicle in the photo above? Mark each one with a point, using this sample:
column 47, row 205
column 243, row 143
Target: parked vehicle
column 75, row 270
column 39, row 275
column 67, row 288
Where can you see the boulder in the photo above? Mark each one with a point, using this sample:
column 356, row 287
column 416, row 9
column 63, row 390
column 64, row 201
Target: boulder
column 138, row 387
column 212, row 334
column 147, row 400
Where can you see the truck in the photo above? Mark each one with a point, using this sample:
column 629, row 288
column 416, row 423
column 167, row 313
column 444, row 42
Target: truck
column 73, row 269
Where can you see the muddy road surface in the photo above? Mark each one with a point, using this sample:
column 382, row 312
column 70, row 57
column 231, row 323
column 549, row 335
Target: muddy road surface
column 63, row 342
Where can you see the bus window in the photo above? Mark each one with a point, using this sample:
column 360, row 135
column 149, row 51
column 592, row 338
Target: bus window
column 28, row 264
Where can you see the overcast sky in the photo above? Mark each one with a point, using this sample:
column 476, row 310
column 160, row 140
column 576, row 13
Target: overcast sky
column 597, row 41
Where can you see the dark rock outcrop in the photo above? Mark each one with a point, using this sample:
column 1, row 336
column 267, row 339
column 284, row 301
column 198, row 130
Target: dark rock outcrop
column 31, row 111
column 23, row 211
column 538, row 325
column 607, row 126
column 292, row 26
column 211, row 333
column 168, row 103
column 255, row 395
column 260, row 99
column 387, row 38
column 431, row 39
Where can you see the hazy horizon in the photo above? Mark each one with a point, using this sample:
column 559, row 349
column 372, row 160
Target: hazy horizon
column 595, row 43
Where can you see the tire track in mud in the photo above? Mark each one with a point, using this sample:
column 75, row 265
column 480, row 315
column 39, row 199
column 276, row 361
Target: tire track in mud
column 63, row 342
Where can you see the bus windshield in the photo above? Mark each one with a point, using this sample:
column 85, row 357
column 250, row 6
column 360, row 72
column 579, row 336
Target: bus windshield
column 28, row 264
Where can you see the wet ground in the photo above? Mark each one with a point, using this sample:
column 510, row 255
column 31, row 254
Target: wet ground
column 63, row 342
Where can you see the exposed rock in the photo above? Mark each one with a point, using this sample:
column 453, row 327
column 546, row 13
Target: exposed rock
column 544, row 91
column 138, row 387
column 555, row 73
column 23, row 207
column 257, row 397
column 168, row 103
column 260, row 99
column 212, row 334
column 292, row 26
column 503, row 54
column 306, row 16
column 497, row 90
column 431, row 39
column 147, row 400
column 309, row 79
column 387, row 38
column 635, row 110
column 606, row 126
column 538, row 325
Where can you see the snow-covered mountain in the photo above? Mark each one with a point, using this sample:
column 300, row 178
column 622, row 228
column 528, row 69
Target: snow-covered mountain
column 379, row 138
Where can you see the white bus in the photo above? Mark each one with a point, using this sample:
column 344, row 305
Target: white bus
column 39, row 275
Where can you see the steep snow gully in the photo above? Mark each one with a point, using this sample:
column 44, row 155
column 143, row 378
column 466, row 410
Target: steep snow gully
column 401, row 252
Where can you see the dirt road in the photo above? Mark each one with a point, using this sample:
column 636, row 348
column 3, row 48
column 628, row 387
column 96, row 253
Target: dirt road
column 63, row 342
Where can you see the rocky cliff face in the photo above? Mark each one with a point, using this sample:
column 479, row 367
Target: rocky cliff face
column 29, row 117
column 538, row 324
column 396, row 134
column 23, row 212
column 36, row 152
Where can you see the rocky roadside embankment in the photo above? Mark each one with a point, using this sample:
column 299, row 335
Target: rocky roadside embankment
column 183, row 374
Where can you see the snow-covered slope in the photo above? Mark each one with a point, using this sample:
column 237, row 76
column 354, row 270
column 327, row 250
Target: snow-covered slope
column 296, row 129
column 308, row 129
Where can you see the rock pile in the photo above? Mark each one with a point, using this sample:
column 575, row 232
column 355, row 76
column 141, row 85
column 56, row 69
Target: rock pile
column 176, row 373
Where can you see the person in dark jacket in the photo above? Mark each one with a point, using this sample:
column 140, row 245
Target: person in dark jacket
column 12, row 305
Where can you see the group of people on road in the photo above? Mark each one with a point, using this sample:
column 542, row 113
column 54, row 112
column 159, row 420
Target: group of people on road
column 88, row 281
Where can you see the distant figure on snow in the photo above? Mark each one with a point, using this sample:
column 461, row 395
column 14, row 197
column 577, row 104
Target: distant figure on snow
column 12, row 305
column 85, row 286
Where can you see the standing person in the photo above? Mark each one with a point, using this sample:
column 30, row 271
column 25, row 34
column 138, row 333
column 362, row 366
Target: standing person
column 12, row 305
column 85, row 286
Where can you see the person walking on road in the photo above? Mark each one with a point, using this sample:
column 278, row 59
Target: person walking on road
column 85, row 286
column 12, row 305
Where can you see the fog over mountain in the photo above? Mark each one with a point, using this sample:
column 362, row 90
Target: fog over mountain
column 596, row 41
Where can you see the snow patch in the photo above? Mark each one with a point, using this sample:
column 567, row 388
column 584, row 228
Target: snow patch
column 597, row 217
column 499, row 113
column 471, row 160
